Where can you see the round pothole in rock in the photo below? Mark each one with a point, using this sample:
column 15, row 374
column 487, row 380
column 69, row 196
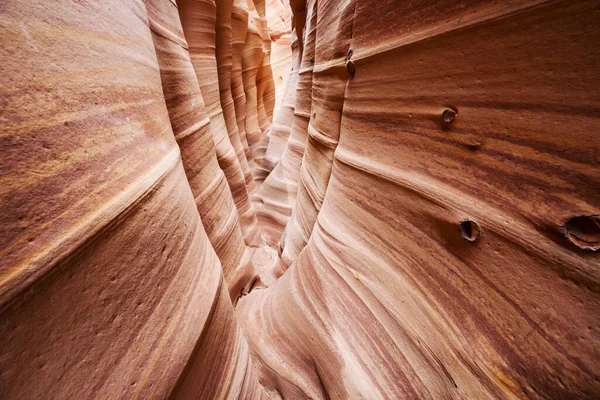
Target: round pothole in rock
column 583, row 231
column 449, row 115
column 469, row 230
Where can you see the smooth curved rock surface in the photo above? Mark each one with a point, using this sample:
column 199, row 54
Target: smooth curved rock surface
column 239, row 33
column 252, row 59
column 387, row 300
column 425, row 177
column 282, row 124
column 224, row 54
column 109, row 285
column 277, row 195
column 198, row 18
column 317, row 156
column 192, row 129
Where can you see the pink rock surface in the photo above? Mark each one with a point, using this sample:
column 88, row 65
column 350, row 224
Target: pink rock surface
column 387, row 300
column 192, row 130
column 307, row 199
column 199, row 20
column 252, row 59
column 109, row 286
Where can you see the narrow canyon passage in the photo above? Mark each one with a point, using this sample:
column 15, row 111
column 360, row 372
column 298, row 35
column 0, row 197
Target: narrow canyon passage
column 299, row 199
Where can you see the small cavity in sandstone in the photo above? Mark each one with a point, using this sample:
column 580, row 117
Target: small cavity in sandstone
column 583, row 231
column 469, row 230
column 350, row 67
column 449, row 116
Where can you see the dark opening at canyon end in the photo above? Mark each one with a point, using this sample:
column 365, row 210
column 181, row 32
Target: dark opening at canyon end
column 299, row 199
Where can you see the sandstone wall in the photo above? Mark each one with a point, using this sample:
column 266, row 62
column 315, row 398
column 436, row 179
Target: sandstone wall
column 306, row 199
column 429, row 123
column 110, row 287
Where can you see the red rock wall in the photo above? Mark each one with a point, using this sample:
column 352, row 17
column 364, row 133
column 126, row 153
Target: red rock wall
column 199, row 24
column 252, row 59
column 278, row 193
column 279, row 23
column 224, row 53
column 387, row 300
column 314, row 199
column 193, row 131
column 109, row 286
column 239, row 32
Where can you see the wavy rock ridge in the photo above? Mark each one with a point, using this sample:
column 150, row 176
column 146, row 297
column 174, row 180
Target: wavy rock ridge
column 322, row 199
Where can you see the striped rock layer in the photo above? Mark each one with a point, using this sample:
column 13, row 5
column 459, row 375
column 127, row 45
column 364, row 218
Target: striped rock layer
column 240, row 199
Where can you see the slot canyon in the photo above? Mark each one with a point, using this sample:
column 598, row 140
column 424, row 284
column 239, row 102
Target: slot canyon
column 300, row 199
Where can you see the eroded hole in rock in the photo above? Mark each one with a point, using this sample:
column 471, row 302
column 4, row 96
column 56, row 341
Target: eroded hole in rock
column 449, row 115
column 351, row 68
column 469, row 230
column 583, row 231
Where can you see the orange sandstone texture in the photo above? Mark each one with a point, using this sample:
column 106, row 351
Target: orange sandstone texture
column 279, row 24
column 265, row 87
column 428, row 186
column 282, row 123
column 239, row 32
column 387, row 300
column 109, row 286
column 192, row 130
column 252, row 58
column 224, row 53
column 278, row 193
column 198, row 18
column 316, row 161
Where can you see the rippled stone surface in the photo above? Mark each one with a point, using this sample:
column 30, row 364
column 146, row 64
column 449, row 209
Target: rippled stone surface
column 387, row 299
column 305, row 199
column 109, row 285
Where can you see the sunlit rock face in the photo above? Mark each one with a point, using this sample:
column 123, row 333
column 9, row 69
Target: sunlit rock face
column 429, row 123
column 308, row 199
column 109, row 285
column 199, row 19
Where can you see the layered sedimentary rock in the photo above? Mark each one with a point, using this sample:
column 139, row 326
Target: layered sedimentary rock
column 317, row 154
column 279, row 24
column 224, row 53
column 110, row 287
column 430, row 199
column 199, row 20
column 278, row 193
column 239, row 32
column 282, row 123
column 474, row 120
column 265, row 87
column 192, row 129
column 252, row 58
